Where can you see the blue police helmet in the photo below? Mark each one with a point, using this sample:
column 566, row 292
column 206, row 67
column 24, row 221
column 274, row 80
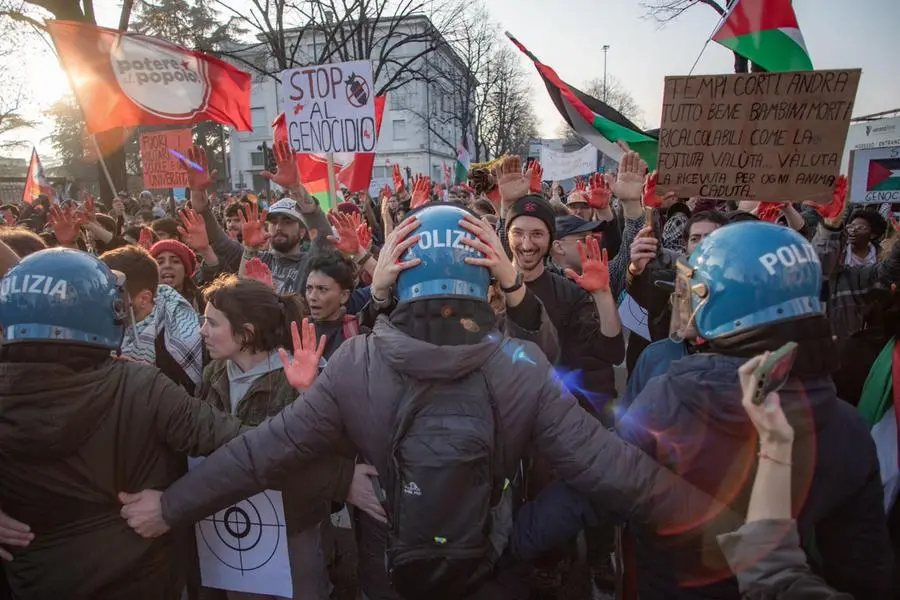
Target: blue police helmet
column 63, row 295
column 753, row 274
column 443, row 272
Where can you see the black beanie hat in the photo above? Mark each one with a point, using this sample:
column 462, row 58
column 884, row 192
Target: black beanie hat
column 533, row 205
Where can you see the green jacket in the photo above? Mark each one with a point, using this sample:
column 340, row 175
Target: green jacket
column 308, row 495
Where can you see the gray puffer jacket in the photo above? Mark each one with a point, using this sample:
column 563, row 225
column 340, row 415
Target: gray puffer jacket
column 355, row 397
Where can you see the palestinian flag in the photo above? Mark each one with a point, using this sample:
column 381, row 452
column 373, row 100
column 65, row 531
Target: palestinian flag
column 879, row 405
column 318, row 189
column 766, row 33
column 594, row 120
column 463, row 161
column 884, row 175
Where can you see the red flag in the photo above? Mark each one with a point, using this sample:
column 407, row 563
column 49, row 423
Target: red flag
column 126, row 79
column 354, row 171
column 36, row 182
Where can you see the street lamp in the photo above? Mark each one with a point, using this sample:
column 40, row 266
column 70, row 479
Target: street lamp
column 605, row 50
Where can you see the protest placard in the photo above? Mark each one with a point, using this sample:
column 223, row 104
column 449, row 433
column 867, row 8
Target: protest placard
column 330, row 108
column 565, row 165
column 161, row 168
column 875, row 175
column 774, row 137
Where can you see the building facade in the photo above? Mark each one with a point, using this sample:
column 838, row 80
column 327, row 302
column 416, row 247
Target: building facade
column 418, row 131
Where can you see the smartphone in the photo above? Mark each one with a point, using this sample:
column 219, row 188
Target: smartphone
column 774, row 371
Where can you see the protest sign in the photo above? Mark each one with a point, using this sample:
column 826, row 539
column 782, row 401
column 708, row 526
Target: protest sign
column 776, row 137
column 875, row 175
column 161, row 168
column 330, row 108
column 559, row 166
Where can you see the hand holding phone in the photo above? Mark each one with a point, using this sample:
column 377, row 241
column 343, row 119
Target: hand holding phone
column 774, row 371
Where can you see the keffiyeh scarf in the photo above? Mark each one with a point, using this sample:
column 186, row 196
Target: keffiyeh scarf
column 174, row 315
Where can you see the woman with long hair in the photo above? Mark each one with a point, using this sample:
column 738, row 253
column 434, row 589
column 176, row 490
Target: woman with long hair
column 177, row 264
column 246, row 324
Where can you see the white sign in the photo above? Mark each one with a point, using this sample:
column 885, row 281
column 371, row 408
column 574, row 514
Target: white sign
column 243, row 548
column 565, row 165
column 880, row 133
column 634, row 317
column 875, row 176
column 330, row 108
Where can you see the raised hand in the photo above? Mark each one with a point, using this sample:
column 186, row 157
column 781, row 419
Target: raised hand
column 649, row 197
column 146, row 239
column 537, row 177
column 768, row 211
column 346, row 227
column 257, row 269
column 302, row 370
column 629, row 184
column 601, row 192
column 488, row 244
column 198, row 179
column 399, row 186
column 385, row 193
column 439, row 191
column 390, row 264
column 834, row 211
column 66, row 224
column 288, row 175
column 193, row 232
column 580, row 185
column 364, row 235
column 594, row 267
column 768, row 417
column 511, row 181
column 643, row 250
column 88, row 210
column 253, row 227
column 421, row 191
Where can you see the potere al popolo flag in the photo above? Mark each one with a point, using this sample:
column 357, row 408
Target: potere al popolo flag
column 36, row 183
column 353, row 171
column 594, row 120
column 127, row 79
column 766, row 33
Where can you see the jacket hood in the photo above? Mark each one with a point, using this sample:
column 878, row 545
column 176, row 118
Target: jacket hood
column 423, row 360
column 708, row 385
column 47, row 410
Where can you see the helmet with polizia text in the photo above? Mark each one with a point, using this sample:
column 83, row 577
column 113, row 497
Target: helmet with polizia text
column 63, row 295
column 743, row 276
column 443, row 272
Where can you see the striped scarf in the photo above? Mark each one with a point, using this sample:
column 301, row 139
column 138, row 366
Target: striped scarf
column 174, row 315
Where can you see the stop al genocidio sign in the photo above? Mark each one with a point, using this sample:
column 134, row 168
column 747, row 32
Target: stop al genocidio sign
column 776, row 137
column 330, row 108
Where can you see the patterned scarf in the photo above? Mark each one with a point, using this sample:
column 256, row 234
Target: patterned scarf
column 174, row 315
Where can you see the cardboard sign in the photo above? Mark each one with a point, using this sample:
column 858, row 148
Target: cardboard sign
column 330, row 108
column 875, row 175
column 776, row 137
column 161, row 169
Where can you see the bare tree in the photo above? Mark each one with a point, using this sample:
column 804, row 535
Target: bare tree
column 665, row 11
column 12, row 105
column 509, row 121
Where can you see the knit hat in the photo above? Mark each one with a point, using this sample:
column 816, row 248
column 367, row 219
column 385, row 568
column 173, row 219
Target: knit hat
column 348, row 208
column 533, row 205
column 184, row 254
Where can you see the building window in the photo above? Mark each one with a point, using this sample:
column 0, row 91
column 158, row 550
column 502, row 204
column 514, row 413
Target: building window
column 380, row 172
column 399, row 99
column 436, row 174
column 258, row 119
column 257, row 160
column 399, row 129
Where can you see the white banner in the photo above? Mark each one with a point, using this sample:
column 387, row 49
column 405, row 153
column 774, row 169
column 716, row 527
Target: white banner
column 875, row 176
column 565, row 165
column 330, row 108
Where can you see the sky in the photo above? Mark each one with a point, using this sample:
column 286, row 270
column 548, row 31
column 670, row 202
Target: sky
column 568, row 35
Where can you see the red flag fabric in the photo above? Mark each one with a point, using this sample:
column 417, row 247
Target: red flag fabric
column 36, row 182
column 127, row 79
column 354, row 171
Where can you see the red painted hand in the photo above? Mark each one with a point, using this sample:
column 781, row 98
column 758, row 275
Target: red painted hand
column 594, row 267
column 253, row 227
column 301, row 372
column 421, row 191
column 601, row 192
column 346, row 227
column 257, row 269
column 288, row 175
column 537, row 177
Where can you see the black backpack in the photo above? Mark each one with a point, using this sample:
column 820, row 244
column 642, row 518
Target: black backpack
column 444, row 485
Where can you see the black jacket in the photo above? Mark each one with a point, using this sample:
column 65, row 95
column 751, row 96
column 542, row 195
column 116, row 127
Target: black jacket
column 587, row 356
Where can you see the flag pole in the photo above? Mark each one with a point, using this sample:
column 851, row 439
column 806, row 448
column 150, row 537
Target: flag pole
column 722, row 18
column 332, row 180
column 106, row 174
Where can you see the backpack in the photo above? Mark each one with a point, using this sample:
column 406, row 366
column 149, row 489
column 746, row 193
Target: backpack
column 444, row 485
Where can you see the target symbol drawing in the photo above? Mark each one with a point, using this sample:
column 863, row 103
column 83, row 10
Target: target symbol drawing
column 245, row 536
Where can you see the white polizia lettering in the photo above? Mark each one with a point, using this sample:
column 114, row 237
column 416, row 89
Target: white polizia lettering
column 447, row 238
column 34, row 284
column 788, row 256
